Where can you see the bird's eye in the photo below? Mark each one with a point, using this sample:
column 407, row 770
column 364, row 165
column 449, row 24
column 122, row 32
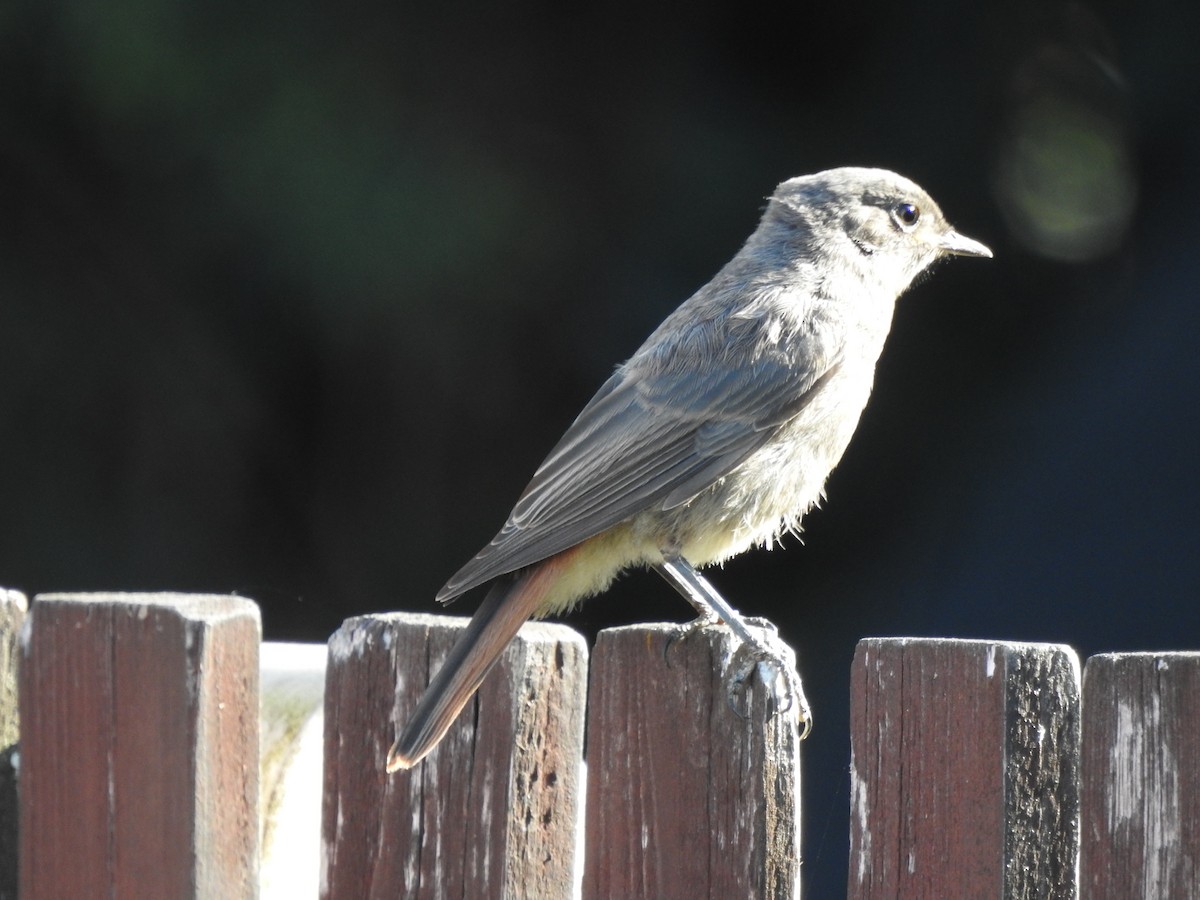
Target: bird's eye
column 906, row 215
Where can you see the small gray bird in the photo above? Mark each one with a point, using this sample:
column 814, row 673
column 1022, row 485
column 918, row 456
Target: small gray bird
column 718, row 434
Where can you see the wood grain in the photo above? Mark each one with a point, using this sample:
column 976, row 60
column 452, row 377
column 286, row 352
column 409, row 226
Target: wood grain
column 139, row 749
column 964, row 769
column 492, row 811
column 686, row 798
column 1141, row 776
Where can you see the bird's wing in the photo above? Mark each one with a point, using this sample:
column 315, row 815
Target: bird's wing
column 650, row 440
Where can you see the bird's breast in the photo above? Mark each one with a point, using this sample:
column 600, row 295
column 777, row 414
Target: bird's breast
column 771, row 491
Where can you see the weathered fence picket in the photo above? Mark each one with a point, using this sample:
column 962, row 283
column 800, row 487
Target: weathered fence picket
column 977, row 771
column 492, row 812
column 687, row 797
column 139, row 747
column 964, row 769
column 1141, row 776
column 13, row 608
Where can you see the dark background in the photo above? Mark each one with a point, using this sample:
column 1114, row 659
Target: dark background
column 294, row 297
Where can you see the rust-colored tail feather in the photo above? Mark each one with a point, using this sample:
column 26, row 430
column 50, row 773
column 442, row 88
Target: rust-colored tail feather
column 508, row 605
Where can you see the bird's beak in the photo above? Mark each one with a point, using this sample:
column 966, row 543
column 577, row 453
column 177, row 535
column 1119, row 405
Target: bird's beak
column 960, row 245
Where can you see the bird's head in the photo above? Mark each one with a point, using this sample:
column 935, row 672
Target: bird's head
column 876, row 224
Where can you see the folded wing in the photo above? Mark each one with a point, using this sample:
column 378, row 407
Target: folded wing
column 651, row 440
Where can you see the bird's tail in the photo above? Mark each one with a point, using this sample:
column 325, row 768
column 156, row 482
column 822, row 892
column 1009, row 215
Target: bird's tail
column 508, row 605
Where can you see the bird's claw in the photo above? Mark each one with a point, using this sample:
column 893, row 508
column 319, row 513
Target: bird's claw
column 686, row 630
column 775, row 663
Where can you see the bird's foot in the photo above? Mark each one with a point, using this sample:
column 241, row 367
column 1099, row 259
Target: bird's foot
column 774, row 662
column 760, row 648
column 687, row 629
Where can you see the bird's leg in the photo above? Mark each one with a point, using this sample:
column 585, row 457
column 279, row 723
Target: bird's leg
column 775, row 660
column 694, row 588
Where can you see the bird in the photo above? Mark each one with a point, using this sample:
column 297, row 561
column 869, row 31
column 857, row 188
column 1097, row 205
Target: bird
column 717, row 435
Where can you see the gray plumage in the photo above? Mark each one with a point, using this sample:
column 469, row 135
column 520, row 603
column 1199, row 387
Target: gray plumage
column 735, row 410
column 719, row 433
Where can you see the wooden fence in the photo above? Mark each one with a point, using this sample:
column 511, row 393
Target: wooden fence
column 163, row 752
